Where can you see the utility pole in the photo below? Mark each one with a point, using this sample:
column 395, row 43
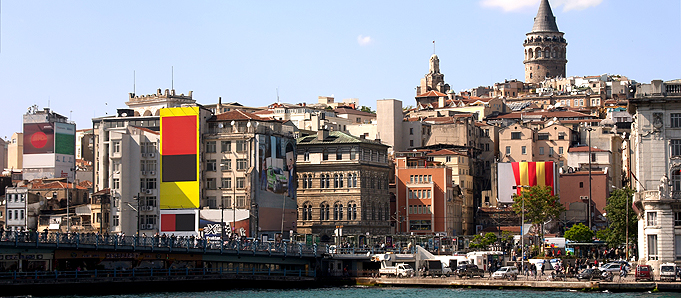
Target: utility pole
column 589, row 129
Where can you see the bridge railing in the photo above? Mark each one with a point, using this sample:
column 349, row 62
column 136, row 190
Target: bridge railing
column 150, row 272
column 172, row 243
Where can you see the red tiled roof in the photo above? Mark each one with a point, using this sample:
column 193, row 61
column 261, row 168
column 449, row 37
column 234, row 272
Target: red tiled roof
column 585, row 149
column 431, row 93
column 56, row 184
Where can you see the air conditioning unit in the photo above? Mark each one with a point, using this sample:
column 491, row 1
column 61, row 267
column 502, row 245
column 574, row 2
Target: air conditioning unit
column 150, row 208
column 152, row 155
column 149, row 191
column 143, row 190
column 150, row 227
column 152, row 173
column 144, row 173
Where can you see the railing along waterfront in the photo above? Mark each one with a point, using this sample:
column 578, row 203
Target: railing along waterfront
column 148, row 273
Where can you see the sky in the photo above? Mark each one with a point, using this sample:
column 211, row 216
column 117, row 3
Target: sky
column 83, row 58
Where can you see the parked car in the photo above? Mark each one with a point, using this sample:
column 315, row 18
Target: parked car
column 589, row 274
column 668, row 271
column 469, row 270
column 436, row 268
column 644, row 272
column 509, row 272
column 610, row 267
column 626, row 264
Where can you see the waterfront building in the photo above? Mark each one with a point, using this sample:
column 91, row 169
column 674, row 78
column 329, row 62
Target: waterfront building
column 48, row 145
column 656, row 166
column 15, row 152
column 342, row 186
column 426, row 203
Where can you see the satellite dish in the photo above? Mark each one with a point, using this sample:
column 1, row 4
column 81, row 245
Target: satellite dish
column 233, row 122
column 248, row 124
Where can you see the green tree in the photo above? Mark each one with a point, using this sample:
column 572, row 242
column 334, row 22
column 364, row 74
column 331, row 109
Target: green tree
column 616, row 209
column 483, row 242
column 367, row 109
column 540, row 206
column 579, row 233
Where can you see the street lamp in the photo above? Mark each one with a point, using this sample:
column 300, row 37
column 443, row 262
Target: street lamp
column 522, row 228
column 589, row 130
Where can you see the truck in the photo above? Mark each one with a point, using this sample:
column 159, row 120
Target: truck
column 668, row 271
column 399, row 270
column 436, row 268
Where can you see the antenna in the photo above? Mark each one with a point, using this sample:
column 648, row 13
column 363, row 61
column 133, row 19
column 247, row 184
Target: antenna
column 277, row 94
column 172, row 78
column 433, row 47
column 134, row 82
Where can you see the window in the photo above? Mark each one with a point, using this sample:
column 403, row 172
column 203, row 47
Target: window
column 508, row 150
column 116, row 183
column 524, row 149
column 226, row 164
column 677, row 219
column 352, row 211
column 325, row 154
column 560, row 150
column 226, row 182
column 241, row 146
column 241, row 164
column 593, row 157
column 240, row 182
column 306, row 155
column 541, row 150
column 339, row 154
column 338, row 211
column 340, row 180
column 411, row 143
column 210, row 183
column 353, row 153
column 226, row 201
column 324, row 211
column 652, row 247
column 675, row 147
column 515, row 135
column 411, row 130
column 116, row 146
column 581, row 184
column 225, row 146
column 210, row 147
column 241, row 201
column 486, row 147
column 116, row 221
column 675, row 120
column 651, row 218
column 211, row 202
column 419, row 225
column 543, row 136
column 561, row 136
column 307, row 211
column 211, row 165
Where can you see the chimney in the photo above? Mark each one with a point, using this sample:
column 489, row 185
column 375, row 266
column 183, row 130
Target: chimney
column 219, row 107
column 322, row 134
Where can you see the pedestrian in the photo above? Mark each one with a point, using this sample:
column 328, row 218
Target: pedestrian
column 543, row 265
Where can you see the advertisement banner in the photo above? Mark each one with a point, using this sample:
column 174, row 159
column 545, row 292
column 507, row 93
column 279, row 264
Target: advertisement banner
column 179, row 158
column 276, row 182
column 514, row 175
column 180, row 222
column 65, row 139
column 38, row 138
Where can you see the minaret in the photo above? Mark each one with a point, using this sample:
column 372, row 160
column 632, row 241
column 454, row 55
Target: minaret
column 545, row 47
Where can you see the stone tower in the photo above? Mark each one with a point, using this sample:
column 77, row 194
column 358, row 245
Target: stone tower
column 545, row 47
column 433, row 80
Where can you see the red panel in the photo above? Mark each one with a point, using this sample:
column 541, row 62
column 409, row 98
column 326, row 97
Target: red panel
column 167, row 222
column 532, row 173
column 548, row 172
column 516, row 175
column 179, row 135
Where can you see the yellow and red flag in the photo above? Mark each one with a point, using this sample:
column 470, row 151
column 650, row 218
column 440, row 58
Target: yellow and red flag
column 538, row 173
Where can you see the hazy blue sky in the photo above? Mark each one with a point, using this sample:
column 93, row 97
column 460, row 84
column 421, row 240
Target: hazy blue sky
column 80, row 55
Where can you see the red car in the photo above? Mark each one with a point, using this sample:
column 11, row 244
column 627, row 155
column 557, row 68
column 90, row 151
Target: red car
column 644, row 272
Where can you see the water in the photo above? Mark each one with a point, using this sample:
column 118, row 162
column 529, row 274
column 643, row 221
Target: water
column 392, row 292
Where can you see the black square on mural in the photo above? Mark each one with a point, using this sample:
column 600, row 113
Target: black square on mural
column 184, row 222
column 177, row 168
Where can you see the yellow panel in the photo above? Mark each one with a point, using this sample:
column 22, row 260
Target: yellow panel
column 524, row 177
column 540, row 169
column 179, row 195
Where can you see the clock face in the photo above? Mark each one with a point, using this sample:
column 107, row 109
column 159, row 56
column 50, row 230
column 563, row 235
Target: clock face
column 39, row 139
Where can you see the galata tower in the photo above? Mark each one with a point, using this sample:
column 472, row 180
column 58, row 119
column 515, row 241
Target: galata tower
column 545, row 47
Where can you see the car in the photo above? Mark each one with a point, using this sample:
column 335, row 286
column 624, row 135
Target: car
column 509, row 272
column 644, row 272
column 610, row 267
column 626, row 264
column 469, row 270
column 589, row 274
column 276, row 179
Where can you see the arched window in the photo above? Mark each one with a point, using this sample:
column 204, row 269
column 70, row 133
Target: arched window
column 386, row 209
column 335, row 180
column 335, row 211
column 373, row 211
column 547, row 54
column 325, row 154
column 353, row 153
column 530, row 54
column 322, row 181
column 306, row 155
column 340, row 211
column 324, row 211
column 309, row 181
column 354, row 180
column 537, row 53
column 352, row 211
column 328, row 181
column 339, row 154
column 340, row 180
column 304, row 181
column 307, row 211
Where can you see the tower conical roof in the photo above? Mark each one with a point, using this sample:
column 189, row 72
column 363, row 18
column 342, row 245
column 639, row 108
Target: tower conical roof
column 545, row 21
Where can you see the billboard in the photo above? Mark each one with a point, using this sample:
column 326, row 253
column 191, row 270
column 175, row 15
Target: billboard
column 65, row 138
column 179, row 158
column 39, row 138
column 180, row 222
column 276, row 183
column 514, row 174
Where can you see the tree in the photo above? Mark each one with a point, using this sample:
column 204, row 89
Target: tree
column 540, row 206
column 482, row 242
column 367, row 109
column 616, row 209
column 579, row 233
